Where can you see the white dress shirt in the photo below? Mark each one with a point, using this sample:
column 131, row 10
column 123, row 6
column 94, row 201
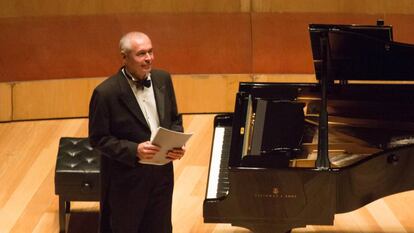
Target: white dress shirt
column 146, row 100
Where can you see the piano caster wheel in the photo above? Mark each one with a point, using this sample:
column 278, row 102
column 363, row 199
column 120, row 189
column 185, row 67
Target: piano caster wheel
column 393, row 159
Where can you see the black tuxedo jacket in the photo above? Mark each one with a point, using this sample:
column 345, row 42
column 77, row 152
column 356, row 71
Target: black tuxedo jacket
column 117, row 125
column 116, row 122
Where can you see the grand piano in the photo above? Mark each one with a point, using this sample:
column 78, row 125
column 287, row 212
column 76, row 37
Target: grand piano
column 296, row 154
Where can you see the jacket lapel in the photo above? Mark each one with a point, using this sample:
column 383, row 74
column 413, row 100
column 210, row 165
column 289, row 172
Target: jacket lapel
column 159, row 92
column 128, row 98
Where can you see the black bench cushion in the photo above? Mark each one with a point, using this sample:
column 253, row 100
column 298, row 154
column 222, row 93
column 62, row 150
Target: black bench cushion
column 77, row 170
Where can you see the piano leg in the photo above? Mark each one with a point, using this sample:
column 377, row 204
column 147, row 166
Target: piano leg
column 264, row 228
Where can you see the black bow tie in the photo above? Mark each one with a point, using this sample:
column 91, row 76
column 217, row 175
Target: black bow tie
column 139, row 83
column 145, row 83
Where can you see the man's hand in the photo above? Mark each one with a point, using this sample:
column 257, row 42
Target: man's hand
column 176, row 153
column 146, row 150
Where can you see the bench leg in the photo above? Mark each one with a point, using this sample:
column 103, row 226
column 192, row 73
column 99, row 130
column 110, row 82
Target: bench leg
column 64, row 207
column 67, row 207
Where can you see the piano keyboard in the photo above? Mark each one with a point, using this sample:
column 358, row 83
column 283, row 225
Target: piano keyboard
column 218, row 183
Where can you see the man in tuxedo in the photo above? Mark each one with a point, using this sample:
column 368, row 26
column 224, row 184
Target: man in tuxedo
column 124, row 111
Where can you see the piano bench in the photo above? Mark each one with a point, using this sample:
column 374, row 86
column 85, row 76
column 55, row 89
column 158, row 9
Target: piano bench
column 77, row 175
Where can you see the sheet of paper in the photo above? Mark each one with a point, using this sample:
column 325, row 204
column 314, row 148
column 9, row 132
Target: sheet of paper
column 167, row 140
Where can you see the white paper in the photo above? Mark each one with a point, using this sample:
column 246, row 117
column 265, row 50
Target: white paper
column 166, row 139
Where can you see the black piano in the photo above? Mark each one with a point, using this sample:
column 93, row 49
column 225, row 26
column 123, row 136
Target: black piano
column 296, row 154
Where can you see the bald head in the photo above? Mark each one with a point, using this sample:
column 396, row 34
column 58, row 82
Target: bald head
column 137, row 54
column 125, row 44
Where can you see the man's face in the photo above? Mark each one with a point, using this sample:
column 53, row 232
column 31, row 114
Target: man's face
column 138, row 61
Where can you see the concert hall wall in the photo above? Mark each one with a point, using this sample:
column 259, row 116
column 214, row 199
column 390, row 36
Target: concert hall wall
column 55, row 52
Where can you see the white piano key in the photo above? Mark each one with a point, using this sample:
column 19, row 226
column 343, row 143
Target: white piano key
column 215, row 162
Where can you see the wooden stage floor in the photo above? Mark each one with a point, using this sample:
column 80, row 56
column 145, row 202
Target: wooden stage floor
column 28, row 204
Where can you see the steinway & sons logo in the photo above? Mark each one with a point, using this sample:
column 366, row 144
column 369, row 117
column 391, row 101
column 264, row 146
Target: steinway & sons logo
column 275, row 192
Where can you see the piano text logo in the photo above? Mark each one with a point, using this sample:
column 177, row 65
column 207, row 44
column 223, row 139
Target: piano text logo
column 275, row 192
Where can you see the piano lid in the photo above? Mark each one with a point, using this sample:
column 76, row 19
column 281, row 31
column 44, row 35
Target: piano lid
column 361, row 52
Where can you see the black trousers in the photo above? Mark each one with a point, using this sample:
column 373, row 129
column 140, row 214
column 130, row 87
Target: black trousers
column 142, row 202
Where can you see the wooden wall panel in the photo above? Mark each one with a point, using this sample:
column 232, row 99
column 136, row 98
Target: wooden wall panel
column 5, row 102
column 281, row 40
column 67, row 98
column 58, row 47
column 207, row 93
column 271, row 43
column 67, row 47
column 285, row 78
column 52, row 98
column 402, row 27
column 23, row 8
column 335, row 6
column 202, row 43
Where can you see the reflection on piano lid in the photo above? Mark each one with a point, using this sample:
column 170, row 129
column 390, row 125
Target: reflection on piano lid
column 369, row 136
column 278, row 126
column 361, row 53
